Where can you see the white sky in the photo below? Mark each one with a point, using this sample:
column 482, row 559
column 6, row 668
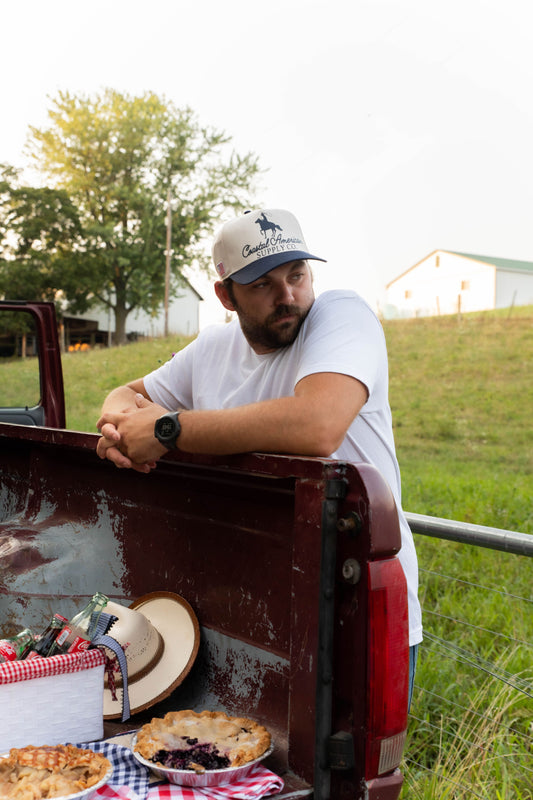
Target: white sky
column 390, row 128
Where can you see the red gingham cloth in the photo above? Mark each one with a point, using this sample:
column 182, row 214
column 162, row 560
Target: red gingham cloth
column 118, row 793
column 258, row 783
column 14, row 671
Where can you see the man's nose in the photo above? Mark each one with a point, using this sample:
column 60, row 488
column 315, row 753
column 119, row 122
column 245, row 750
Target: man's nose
column 285, row 294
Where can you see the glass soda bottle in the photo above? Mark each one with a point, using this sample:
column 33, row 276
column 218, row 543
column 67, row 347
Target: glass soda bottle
column 76, row 635
column 13, row 648
column 44, row 644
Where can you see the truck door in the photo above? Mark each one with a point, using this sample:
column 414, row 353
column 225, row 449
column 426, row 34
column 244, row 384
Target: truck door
column 31, row 378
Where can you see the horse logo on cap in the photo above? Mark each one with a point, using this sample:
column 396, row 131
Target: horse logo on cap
column 265, row 225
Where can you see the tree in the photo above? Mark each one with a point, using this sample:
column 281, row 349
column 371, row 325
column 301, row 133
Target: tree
column 39, row 229
column 117, row 158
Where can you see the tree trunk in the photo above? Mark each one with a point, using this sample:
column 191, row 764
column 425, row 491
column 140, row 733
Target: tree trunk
column 120, row 324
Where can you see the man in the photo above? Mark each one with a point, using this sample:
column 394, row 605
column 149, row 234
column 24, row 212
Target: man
column 291, row 374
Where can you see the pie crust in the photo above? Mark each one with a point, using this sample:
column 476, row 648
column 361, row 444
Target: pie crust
column 32, row 773
column 180, row 739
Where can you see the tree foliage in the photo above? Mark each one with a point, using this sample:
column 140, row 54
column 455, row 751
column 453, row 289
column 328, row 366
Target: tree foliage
column 39, row 227
column 110, row 162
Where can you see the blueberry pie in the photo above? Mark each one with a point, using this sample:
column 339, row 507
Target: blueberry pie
column 201, row 741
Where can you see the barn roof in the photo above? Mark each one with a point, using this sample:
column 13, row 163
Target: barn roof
column 508, row 264
column 499, row 263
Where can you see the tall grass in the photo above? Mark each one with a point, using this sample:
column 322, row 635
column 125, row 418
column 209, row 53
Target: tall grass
column 471, row 754
column 470, row 729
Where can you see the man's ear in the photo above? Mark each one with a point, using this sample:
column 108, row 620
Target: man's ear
column 223, row 295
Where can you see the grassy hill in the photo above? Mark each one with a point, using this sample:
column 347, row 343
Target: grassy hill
column 461, row 394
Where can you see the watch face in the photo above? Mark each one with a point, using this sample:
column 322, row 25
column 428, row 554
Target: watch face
column 167, row 428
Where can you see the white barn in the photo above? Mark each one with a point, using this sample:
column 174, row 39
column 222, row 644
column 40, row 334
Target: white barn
column 183, row 316
column 446, row 282
column 97, row 326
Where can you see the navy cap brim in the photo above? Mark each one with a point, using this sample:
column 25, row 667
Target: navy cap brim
column 260, row 267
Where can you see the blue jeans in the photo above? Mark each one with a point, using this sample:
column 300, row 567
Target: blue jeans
column 413, row 655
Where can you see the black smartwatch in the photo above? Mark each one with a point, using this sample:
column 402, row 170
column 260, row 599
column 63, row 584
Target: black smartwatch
column 167, row 429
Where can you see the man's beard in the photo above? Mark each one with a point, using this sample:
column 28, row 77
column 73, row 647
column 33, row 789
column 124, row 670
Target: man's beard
column 267, row 334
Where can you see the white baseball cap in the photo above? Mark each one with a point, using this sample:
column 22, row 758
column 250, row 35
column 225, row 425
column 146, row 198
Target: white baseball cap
column 251, row 245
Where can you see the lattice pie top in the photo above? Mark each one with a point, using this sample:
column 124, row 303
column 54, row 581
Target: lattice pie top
column 32, row 773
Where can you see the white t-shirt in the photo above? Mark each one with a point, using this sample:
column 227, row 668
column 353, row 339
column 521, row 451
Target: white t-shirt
column 341, row 334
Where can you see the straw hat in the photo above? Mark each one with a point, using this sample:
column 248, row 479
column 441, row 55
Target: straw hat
column 162, row 636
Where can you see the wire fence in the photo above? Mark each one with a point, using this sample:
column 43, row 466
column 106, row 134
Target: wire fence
column 471, row 719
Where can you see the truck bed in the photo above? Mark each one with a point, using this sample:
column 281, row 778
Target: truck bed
column 287, row 562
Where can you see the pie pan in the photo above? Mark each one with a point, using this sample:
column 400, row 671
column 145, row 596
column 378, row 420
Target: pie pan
column 85, row 794
column 211, row 777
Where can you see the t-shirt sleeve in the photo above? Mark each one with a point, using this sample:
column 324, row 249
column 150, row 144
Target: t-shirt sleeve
column 170, row 385
column 345, row 336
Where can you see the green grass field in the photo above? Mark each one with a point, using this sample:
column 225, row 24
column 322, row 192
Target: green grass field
column 461, row 393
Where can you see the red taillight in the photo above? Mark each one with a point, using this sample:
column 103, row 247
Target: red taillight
column 388, row 666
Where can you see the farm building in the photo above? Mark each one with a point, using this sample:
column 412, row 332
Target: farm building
column 446, row 282
column 97, row 326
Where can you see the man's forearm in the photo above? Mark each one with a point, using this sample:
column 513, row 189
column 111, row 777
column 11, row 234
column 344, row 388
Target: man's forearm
column 268, row 426
column 313, row 422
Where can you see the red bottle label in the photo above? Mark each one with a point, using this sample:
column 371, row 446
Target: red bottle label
column 78, row 645
column 62, row 636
